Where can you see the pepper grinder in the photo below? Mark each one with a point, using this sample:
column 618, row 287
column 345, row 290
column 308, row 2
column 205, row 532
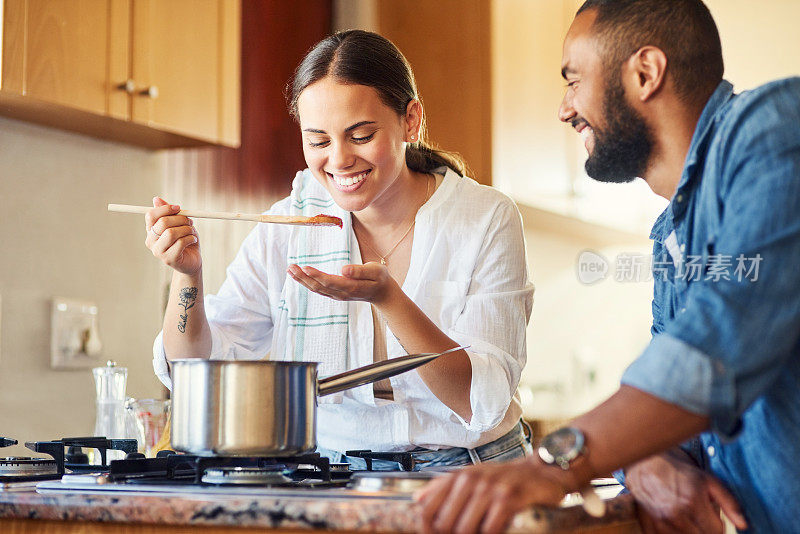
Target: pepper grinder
column 110, row 382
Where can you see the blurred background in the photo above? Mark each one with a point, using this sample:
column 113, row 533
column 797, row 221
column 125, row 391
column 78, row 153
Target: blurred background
column 115, row 101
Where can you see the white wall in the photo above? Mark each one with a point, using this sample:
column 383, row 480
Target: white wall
column 57, row 239
column 581, row 337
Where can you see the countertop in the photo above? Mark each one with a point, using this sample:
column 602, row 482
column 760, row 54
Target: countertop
column 350, row 514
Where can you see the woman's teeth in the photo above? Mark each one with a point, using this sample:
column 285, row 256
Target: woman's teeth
column 349, row 180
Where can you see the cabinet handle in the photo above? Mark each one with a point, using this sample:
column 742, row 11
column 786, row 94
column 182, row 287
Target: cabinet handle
column 129, row 86
column 150, row 92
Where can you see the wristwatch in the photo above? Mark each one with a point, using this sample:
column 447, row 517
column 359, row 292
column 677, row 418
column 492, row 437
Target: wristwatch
column 562, row 447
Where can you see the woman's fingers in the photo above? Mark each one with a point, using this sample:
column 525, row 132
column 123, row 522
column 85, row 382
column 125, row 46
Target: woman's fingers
column 170, row 221
column 170, row 237
column 369, row 271
column 329, row 281
column 309, row 283
column 344, row 287
column 157, row 212
column 329, row 285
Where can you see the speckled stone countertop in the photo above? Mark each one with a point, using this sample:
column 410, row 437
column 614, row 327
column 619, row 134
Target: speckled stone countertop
column 307, row 513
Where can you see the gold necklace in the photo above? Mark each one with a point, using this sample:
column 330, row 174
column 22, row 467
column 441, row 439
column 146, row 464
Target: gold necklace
column 384, row 256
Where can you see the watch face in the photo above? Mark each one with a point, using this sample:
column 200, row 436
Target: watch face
column 561, row 442
column 562, row 446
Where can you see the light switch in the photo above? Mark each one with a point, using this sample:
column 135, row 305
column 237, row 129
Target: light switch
column 74, row 339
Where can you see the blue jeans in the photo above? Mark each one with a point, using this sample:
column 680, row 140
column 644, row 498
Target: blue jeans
column 515, row 444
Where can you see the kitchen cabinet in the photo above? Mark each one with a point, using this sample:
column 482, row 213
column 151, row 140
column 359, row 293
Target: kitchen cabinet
column 448, row 43
column 151, row 73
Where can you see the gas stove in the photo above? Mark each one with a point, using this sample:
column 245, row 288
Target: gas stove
column 175, row 473
column 20, row 473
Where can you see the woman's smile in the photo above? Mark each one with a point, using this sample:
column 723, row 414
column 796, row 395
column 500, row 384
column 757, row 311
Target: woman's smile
column 348, row 182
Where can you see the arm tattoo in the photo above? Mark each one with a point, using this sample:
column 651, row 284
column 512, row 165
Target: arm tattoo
column 187, row 296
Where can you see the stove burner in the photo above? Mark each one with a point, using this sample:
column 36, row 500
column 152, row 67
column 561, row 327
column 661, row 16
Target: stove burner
column 22, row 466
column 15, row 470
column 269, row 476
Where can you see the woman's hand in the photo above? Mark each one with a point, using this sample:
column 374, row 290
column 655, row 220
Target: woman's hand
column 172, row 238
column 370, row 282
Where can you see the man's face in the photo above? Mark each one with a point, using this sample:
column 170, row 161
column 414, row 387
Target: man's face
column 616, row 136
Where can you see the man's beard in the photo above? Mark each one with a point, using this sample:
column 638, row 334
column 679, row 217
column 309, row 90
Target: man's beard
column 622, row 149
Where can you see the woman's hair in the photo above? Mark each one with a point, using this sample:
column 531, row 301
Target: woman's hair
column 364, row 58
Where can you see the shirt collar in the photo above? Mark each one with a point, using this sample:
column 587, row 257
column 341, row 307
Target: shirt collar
column 702, row 132
column 702, row 135
column 662, row 226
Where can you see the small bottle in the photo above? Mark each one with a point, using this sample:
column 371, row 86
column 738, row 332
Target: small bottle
column 110, row 382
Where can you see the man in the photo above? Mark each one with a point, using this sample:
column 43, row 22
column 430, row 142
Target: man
column 645, row 92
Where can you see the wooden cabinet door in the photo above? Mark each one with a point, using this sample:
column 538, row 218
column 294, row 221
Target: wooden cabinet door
column 169, row 70
column 176, row 55
column 64, row 52
column 454, row 75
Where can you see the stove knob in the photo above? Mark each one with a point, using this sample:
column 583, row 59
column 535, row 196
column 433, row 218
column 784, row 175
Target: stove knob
column 75, row 455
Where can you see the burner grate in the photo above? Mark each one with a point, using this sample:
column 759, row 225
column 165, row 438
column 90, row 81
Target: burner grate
column 26, row 469
column 182, row 468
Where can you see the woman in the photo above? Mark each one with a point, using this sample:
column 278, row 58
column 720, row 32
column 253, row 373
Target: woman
column 427, row 260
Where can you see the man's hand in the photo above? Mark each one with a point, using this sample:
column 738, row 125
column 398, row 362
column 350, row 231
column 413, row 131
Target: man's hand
column 484, row 498
column 674, row 495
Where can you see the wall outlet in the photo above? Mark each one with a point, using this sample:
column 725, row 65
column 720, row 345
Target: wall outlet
column 74, row 338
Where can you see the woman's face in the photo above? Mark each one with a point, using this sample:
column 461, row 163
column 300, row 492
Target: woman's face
column 352, row 142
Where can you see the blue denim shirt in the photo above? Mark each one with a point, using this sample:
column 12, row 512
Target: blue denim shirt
column 726, row 306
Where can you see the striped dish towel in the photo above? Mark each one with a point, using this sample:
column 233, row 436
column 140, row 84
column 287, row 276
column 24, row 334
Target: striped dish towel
column 315, row 326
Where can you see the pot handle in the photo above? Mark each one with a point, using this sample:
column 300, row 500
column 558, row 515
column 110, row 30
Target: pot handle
column 376, row 371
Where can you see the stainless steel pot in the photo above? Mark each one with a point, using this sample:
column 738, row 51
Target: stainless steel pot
column 260, row 408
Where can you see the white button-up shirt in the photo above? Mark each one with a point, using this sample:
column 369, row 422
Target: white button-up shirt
column 467, row 274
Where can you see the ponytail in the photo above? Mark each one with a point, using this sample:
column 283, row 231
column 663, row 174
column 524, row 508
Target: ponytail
column 421, row 157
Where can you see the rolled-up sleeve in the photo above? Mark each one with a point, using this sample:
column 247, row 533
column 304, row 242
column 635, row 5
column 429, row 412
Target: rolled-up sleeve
column 734, row 335
column 671, row 369
column 221, row 349
column 494, row 319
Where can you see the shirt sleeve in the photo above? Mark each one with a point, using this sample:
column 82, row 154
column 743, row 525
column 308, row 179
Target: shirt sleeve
column 494, row 319
column 734, row 335
column 239, row 315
